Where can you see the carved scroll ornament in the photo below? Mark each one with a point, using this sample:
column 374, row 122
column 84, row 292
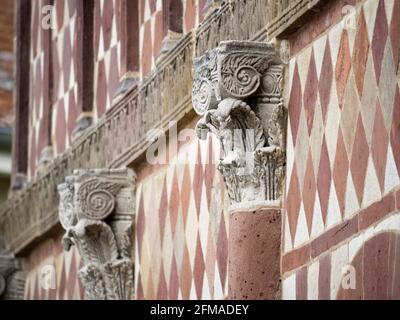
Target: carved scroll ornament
column 97, row 211
column 237, row 91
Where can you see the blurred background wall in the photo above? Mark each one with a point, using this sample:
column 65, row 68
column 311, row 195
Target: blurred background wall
column 6, row 86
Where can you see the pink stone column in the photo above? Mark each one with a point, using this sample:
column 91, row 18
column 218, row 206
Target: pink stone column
column 254, row 254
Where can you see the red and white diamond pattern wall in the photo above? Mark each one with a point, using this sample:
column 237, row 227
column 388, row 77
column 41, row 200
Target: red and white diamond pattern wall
column 374, row 255
column 109, row 66
column 151, row 33
column 344, row 117
column 107, row 48
column 64, row 44
column 62, row 100
column 182, row 227
column 53, row 273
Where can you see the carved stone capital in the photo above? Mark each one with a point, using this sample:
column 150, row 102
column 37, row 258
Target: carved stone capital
column 238, row 92
column 12, row 278
column 97, row 211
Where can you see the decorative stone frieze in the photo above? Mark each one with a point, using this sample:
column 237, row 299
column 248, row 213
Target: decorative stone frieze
column 162, row 97
column 12, row 278
column 237, row 91
column 97, row 211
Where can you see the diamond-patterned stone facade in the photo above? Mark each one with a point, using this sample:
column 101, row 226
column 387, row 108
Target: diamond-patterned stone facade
column 352, row 101
column 151, row 29
column 371, row 255
column 40, row 89
column 107, row 50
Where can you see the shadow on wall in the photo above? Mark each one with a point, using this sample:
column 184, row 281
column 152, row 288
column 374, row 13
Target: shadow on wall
column 5, row 161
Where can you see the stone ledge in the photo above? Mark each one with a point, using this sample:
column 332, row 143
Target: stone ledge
column 33, row 210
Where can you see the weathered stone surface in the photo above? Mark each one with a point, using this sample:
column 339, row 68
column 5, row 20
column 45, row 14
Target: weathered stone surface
column 237, row 91
column 12, row 278
column 97, row 211
column 254, row 254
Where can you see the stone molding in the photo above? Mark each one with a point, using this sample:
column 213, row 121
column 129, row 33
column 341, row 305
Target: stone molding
column 12, row 278
column 97, row 212
column 285, row 17
column 237, row 91
column 229, row 21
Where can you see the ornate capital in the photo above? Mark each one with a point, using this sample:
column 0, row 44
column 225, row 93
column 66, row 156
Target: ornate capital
column 97, row 211
column 238, row 92
column 12, row 278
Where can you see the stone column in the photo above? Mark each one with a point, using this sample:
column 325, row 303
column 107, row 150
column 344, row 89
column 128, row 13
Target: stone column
column 97, row 212
column 12, row 278
column 237, row 93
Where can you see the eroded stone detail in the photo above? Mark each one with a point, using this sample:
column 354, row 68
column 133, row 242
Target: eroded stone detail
column 97, row 211
column 237, row 91
column 12, row 278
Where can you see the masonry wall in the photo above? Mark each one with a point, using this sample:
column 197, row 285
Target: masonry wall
column 53, row 272
column 182, row 225
column 342, row 198
column 181, row 252
column 58, row 67
column 343, row 163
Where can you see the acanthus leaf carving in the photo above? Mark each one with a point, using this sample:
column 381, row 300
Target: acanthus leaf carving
column 96, row 210
column 237, row 93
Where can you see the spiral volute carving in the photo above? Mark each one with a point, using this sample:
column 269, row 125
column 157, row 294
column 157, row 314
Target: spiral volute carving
column 99, row 204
